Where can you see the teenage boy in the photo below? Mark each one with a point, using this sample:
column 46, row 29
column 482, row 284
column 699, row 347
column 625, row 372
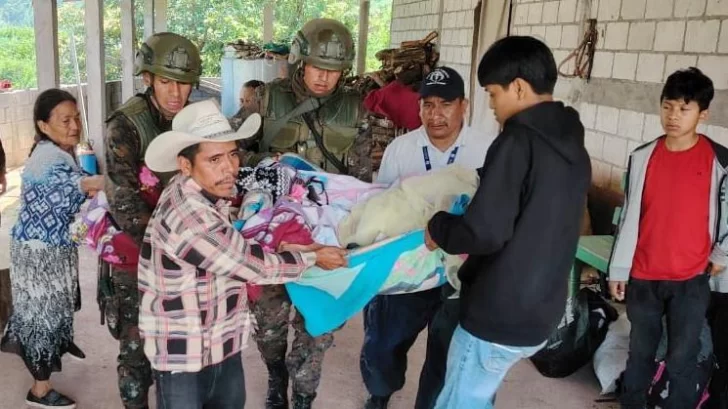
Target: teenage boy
column 521, row 229
column 668, row 241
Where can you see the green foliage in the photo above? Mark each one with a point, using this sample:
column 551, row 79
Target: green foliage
column 17, row 55
column 209, row 23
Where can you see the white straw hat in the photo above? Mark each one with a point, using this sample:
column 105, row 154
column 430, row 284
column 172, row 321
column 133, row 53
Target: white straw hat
column 195, row 123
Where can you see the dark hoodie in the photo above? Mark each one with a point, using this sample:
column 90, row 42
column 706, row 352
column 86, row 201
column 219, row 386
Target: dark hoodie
column 521, row 228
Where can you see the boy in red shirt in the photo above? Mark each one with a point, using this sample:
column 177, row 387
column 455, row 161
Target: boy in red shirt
column 670, row 241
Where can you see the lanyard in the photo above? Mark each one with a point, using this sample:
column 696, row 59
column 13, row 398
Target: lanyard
column 428, row 163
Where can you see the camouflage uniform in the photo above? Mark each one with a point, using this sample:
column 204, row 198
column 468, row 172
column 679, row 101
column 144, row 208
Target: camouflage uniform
column 337, row 118
column 124, row 158
column 130, row 129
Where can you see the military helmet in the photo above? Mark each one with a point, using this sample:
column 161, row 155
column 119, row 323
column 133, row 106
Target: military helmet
column 323, row 43
column 170, row 56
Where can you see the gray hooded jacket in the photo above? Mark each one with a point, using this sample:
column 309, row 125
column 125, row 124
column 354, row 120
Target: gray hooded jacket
column 628, row 231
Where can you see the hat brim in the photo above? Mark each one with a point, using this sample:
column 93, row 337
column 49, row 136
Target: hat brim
column 161, row 155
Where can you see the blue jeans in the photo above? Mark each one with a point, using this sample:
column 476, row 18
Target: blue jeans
column 220, row 386
column 475, row 370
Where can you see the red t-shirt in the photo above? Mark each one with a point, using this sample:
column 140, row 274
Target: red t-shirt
column 397, row 102
column 674, row 237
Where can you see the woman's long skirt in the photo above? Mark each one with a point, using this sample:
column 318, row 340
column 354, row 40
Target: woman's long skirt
column 45, row 289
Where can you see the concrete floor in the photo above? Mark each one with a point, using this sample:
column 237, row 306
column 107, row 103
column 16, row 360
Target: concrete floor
column 93, row 382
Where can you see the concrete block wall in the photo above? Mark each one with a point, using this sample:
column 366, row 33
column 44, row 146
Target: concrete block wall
column 453, row 19
column 16, row 119
column 641, row 43
column 414, row 19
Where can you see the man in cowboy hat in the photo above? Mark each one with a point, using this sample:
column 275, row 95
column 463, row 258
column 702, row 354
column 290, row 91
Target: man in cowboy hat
column 170, row 66
column 194, row 264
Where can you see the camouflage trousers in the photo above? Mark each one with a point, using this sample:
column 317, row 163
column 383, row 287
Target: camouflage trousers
column 122, row 318
column 272, row 314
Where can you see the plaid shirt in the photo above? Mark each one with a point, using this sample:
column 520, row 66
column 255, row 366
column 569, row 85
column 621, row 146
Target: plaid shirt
column 192, row 273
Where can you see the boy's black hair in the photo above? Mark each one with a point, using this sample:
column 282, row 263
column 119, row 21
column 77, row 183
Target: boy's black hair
column 689, row 85
column 253, row 84
column 519, row 57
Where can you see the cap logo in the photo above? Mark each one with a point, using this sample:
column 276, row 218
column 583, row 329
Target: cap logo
column 437, row 77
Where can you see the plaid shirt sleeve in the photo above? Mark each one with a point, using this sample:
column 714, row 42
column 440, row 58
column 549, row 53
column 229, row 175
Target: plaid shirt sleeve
column 210, row 243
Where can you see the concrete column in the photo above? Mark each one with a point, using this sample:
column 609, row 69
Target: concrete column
column 268, row 18
column 45, row 22
column 127, row 49
column 160, row 16
column 96, row 77
column 148, row 18
column 361, row 51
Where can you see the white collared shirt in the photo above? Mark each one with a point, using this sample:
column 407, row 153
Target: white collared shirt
column 405, row 157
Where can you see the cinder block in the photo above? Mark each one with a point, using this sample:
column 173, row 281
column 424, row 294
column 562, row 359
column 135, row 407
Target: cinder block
column 631, row 124
column 615, row 179
column 717, row 8
column 718, row 133
column 6, row 99
column 678, row 62
column 669, row 36
column 653, row 127
column 521, row 17
column 659, row 8
column 594, row 9
column 567, row 11
column 616, row 37
column 534, row 13
column 633, row 9
column 607, row 119
column 553, row 36
column 641, row 36
column 594, row 144
column 550, row 12
column 603, row 61
column 625, row 66
column 6, row 133
column 714, row 67
column 601, row 172
column 609, row 9
column 723, row 41
column 615, row 150
column 689, row 8
column 602, row 31
column 702, row 36
column 650, row 67
column 570, row 37
column 539, row 32
column 588, row 115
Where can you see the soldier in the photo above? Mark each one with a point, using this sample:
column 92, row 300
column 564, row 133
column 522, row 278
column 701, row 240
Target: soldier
column 314, row 115
column 170, row 65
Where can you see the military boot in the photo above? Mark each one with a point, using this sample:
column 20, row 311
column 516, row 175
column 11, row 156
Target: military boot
column 277, row 386
column 303, row 401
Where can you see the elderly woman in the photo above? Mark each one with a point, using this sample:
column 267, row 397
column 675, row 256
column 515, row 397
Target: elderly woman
column 43, row 259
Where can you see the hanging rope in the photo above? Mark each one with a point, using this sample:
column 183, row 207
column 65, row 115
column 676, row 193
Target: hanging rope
column 583, row 55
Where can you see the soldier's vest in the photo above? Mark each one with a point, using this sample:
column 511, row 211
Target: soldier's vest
column 341, row 117
column 136, row 110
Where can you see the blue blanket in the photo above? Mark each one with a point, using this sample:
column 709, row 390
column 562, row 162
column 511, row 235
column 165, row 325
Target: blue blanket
column 323, row 312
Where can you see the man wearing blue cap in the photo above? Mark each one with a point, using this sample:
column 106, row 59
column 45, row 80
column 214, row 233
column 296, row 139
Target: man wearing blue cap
column 392, row 323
